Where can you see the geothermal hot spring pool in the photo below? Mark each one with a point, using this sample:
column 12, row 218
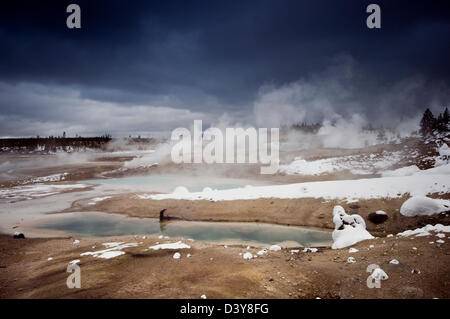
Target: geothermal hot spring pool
column 166, row 183
column 98, row 224
column 257, row 234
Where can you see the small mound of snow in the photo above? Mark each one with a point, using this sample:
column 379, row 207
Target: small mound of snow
column 203, row 296
column 349, row 229
column 440, row 241
column 76, row 241
column 380, row 212
column 353, row 250
column 180, row 190
column 394, row 262
column 351, row 260
column 247, row 256
column 275, row 248
column 424, row 206
column 262, row 252
column 176, row 256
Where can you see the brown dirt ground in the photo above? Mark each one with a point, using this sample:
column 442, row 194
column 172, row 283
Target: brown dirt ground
column 220, row 272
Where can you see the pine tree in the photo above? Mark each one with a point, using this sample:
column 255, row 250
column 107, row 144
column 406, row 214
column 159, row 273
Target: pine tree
column 446, row 120
column 439, row 123
column 427, row 123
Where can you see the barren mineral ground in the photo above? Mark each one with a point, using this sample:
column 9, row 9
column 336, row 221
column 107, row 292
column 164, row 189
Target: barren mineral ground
column 139, row 226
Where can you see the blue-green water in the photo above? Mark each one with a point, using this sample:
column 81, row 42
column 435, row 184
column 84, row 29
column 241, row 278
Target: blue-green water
column 168, row 182
column 102, row 224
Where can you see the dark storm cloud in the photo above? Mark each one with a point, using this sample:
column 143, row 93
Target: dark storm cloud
column 214, row 56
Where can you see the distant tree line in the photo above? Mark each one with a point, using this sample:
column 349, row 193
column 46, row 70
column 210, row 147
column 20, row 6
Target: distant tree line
column 307, row 128
column 430, row 125
column 53, row 143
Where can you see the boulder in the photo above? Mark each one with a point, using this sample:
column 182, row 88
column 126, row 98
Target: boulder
column 377, row 217
column 18, row 235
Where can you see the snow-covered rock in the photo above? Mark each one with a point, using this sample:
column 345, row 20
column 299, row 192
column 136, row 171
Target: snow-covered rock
column 176, row 256
column 275, row 248
column 348, row 229
column 353, row 250
column 351, row 260
column 247, row 256
column 424, row 206
column 394, row 262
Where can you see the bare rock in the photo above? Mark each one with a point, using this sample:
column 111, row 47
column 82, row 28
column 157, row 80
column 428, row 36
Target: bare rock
column 377, row 218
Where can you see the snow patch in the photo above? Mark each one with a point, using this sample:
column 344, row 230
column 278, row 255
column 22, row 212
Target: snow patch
column 384, row 187
column 177, row 245
column 109, row 253
column 403, row 171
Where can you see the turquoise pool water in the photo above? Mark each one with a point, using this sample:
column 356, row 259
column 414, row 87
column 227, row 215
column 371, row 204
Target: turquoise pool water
column 102, row 224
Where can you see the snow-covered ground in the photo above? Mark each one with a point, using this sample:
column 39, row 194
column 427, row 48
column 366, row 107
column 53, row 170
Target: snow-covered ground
column 425, row 231
column 36, row 190
column 420, row 184
column 362, row 164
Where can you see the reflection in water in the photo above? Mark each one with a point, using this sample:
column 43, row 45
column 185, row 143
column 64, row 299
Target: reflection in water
column 101, row 224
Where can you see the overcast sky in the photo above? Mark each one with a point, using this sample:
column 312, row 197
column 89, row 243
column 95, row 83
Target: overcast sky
column 140, row 67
